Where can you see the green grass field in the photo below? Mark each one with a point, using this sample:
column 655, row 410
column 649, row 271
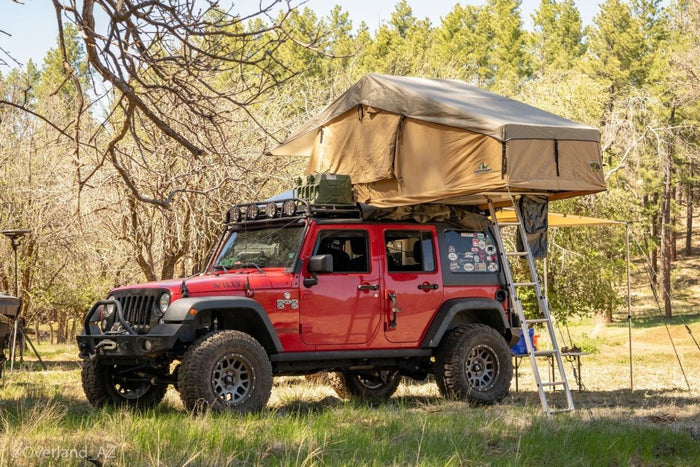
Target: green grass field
column 45, row 419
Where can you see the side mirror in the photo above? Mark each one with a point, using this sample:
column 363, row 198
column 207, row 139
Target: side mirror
column 321, row 264
column 318, row 263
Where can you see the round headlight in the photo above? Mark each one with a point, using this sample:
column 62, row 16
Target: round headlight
column 164, row 303
column 108, row 310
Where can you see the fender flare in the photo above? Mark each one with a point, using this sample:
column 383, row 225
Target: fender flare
column 180, row 311
column 493, row 315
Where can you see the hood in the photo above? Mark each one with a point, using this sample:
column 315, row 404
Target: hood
column 220, row 283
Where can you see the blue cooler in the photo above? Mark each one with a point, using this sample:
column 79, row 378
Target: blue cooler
column 520, row 348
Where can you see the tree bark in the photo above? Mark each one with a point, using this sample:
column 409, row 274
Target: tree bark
column 655, row 250
column 689, row 214
column 666, row 221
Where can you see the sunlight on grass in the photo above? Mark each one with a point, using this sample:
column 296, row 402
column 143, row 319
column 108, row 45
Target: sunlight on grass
column 45, row 412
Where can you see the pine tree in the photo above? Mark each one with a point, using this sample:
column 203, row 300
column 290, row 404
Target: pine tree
column 557, row 41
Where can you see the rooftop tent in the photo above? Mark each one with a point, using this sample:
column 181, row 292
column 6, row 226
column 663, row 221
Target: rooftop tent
column 408, row 141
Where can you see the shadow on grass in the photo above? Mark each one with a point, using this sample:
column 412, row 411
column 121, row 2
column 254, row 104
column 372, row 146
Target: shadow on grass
column 652, row 320
column 623, row 399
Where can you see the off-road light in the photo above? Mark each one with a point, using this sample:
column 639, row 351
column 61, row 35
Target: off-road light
column 163, row 304
column 234, row 214
column 270, row 210
column 252, row 212
column 289, row 208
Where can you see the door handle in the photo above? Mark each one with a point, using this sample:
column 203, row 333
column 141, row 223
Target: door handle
column 368, row 287
column 428, row 286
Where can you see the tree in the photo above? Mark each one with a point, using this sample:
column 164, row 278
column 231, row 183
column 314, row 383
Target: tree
column 509, row 58
column 557, row 41
column 463, row 43
column 616, row 47
column 159, row 55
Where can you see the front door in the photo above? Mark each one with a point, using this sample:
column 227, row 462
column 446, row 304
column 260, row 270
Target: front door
column 413, row 284
column 342, row 309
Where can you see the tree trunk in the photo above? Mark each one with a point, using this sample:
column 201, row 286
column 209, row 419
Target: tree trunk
column 677, row 195
column 666, row 244
column 666, row 221
column 655, row 249
column 689, row 214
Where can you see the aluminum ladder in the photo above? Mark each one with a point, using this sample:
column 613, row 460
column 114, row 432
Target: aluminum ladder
column 525, row 323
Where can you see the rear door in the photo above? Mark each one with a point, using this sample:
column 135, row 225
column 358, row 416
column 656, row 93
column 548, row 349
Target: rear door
column 413, row 285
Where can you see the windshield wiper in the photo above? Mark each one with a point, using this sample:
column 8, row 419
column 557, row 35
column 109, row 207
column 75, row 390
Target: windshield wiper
column 251, row 265
column 220, row 267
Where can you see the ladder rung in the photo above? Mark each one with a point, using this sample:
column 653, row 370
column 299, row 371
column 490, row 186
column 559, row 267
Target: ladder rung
column 544, row 353
column 524, row 284
column 516, row 253
column 554, row 383
column 509, row 224
column 537, row 321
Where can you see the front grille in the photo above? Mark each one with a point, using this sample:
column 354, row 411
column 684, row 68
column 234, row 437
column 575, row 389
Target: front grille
column 138, row 307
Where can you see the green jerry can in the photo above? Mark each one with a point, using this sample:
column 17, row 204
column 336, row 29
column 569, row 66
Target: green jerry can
column 324, row 189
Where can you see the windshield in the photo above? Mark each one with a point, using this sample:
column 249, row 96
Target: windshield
column 273, row 248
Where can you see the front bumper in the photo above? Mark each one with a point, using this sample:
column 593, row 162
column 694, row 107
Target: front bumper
column 163, row 339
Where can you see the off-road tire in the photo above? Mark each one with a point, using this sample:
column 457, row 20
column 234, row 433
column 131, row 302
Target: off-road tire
column 104, row 387
column 474, row 363
column 375, row 385
column 226, row 370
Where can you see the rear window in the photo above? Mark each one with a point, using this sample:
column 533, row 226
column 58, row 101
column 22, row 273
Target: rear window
column 471, row 252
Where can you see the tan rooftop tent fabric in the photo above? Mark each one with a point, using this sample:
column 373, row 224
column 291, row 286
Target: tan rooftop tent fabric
column 408, row 141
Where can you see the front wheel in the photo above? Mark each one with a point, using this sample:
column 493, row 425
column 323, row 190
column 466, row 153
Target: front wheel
column 119, row 385
column 227, row 370
column 474, row 363
column 372, row 385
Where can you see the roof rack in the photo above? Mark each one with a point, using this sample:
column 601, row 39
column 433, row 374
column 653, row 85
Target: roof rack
column 266, row 211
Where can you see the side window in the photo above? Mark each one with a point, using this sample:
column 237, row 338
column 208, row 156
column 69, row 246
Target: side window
column 349, row 249
column 409, row 250
column 471, row 252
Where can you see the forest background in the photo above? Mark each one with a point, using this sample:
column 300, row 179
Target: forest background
column 121, row 152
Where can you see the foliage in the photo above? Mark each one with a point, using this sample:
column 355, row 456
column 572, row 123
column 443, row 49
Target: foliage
column 124, row 147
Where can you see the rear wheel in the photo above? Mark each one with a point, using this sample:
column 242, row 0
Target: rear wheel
column 227, row 370
column 374, row 385
column 474, row 363
column 120, row 385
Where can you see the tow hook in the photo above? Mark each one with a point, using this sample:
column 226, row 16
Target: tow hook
column 106, row 344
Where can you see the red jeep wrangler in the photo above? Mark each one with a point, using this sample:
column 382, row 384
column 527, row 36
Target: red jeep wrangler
column 295, row 288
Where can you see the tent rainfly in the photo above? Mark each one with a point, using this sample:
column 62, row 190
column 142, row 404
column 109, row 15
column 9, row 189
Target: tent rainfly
column 408, row 141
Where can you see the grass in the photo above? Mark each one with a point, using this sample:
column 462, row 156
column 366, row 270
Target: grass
column 45, row 419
